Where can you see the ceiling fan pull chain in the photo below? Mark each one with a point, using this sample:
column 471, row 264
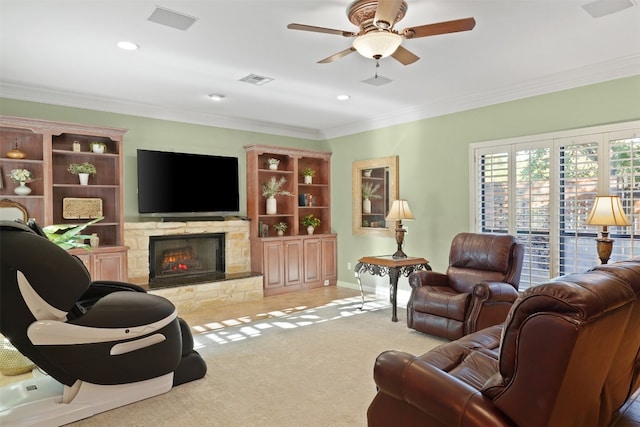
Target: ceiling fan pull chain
column 377, row 66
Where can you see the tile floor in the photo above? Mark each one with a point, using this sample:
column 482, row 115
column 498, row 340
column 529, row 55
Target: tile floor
column 297, row 301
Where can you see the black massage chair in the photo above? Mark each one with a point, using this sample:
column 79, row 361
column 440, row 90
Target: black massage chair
column 98, row 345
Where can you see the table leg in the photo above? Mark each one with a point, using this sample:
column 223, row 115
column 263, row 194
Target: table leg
column 360, row 266
column 394, row 275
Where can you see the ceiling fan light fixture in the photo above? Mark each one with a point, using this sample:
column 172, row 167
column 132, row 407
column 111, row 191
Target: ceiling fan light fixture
column 377, row 44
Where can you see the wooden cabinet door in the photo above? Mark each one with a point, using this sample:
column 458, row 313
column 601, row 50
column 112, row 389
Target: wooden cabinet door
column 293, row 262
column 329, row 259
column 110, row 266
column 312, row 260
column 273, row 264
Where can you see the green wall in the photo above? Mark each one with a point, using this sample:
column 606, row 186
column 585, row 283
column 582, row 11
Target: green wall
column 434, row 162
column 434, row 156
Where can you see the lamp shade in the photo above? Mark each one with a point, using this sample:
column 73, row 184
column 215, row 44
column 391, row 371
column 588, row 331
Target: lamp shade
column 607, row 210
column 377, row 44
column 399, row 211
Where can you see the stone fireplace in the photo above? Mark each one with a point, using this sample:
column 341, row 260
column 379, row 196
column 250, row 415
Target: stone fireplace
column 238, row 283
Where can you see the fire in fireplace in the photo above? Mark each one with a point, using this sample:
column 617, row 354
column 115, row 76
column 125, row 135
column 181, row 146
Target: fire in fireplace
column 186, row 258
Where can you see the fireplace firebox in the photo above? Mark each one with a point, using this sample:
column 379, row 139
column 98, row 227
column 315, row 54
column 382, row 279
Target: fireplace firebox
column 186, row 258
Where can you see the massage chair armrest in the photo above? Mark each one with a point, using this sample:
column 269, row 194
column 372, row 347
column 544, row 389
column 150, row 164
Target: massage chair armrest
column 433, row 391
column 97, row 290
column 427, row 278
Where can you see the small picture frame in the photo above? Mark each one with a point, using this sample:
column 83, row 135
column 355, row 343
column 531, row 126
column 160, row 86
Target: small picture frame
column 264, row 230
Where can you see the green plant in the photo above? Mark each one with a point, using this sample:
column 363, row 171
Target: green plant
column 77, row 168
column 281, row 226
column 273, row 187
column 369, row 191
column 308, row 172
column 71, row 238
column 310, row 221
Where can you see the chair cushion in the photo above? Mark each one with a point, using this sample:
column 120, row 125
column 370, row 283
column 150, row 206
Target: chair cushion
column 441, row 301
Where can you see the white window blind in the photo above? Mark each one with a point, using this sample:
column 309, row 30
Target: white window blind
column 541, row 190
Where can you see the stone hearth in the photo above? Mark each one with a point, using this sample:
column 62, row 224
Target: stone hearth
column 241, row 284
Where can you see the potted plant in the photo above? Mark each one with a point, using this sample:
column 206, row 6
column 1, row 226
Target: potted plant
column 273, row 163
column 273, row 188
column 308, row 174
column 83, row 170
column 311, row 222
column 22, row 177
column 280, row 227
column 71, row 238
column 369, row 192
column 98, row 147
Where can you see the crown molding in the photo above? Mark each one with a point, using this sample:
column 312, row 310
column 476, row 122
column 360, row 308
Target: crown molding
column 627, row 66
column 596, row 73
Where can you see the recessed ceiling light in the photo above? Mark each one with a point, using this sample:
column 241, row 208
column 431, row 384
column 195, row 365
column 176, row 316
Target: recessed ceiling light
column 128, row 45
column 216, row 96
column 343, row 97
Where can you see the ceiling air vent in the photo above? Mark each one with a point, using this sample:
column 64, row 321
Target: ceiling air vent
column 255, row 79
column 171, row 19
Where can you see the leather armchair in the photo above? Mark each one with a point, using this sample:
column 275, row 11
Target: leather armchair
column 477, row 290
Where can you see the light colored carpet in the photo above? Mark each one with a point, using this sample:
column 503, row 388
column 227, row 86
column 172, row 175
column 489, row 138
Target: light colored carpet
column 307, row 368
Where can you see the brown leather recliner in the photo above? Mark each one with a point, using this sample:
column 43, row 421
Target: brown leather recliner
column 566, row 356
column 477, row 291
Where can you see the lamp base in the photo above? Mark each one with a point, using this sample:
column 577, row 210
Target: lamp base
column 399, row 240
column 605, row 247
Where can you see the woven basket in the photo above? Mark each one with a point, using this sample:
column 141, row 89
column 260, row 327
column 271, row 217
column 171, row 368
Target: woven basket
column 12, row 362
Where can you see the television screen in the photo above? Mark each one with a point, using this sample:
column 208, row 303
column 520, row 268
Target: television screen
column 187, row 183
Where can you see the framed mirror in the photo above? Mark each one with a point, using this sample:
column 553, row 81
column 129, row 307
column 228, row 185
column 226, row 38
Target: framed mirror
column 374, row 188
column 10, row 211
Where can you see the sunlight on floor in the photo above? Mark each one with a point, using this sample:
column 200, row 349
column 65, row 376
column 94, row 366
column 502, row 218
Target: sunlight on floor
column 231, row 330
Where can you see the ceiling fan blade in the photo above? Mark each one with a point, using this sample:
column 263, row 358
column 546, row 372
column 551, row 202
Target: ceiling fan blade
column 386, row 13
column 404, row 56
column 303, row 27
column 337, row 56
column 455, row 26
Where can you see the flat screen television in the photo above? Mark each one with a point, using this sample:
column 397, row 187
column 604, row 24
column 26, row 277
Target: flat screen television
column 183, row 183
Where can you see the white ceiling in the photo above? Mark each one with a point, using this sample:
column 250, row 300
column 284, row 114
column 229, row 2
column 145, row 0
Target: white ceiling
column 64, row 52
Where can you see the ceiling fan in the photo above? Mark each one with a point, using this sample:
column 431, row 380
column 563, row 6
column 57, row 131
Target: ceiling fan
column 377, row 37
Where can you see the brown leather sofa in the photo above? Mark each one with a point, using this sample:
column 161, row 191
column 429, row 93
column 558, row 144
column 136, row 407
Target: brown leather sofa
column 477, row 290
column 568, row 355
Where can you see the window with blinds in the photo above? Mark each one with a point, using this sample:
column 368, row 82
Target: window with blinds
column 541, row 190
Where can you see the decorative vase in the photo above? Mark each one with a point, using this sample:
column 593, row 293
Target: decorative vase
column 96, row 148
column 366, row 206
column 94, row 240
column 280, row 233
column 310, row 230
column 366, row 173
column 273, row 166
column 84, row 178
column 22, row 189
column 308, row 179
column 272, row 206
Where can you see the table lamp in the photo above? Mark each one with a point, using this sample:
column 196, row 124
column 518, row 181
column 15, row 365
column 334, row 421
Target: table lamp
column 607, row 210
column 399, row 211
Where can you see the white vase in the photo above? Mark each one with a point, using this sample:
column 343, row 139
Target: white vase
column 308, row 179
column 310, row 230
column 22, row 189
column 272, row 206
column 366, row 206
column 97, row 148
column 273, row 166
column 280, row 233
column 84, row 178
